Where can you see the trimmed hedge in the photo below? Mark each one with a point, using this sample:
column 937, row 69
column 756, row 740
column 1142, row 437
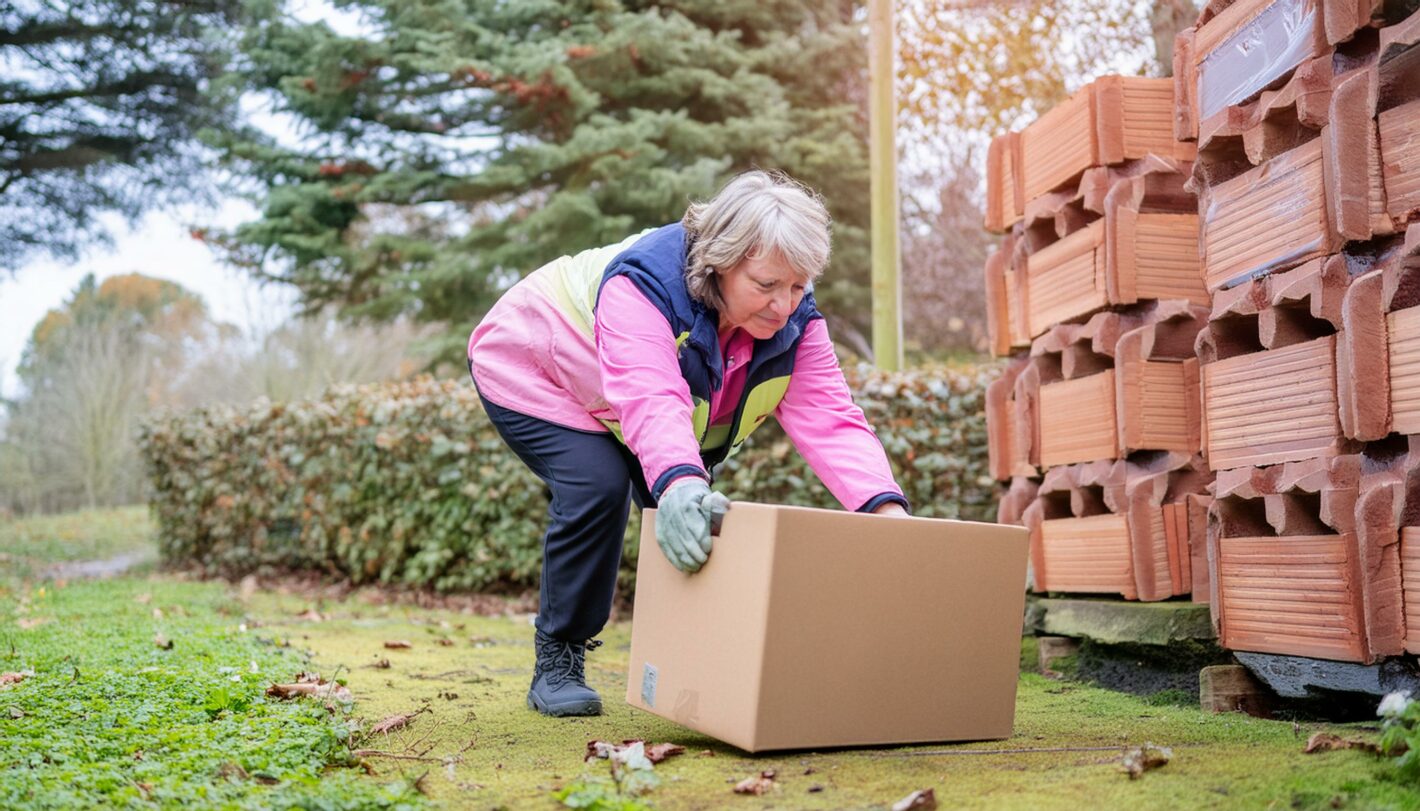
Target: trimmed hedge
column 409, row 484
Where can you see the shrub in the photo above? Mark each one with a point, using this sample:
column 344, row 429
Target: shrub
column 408, row 483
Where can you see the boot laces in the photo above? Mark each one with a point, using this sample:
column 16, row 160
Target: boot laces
column 563, row 661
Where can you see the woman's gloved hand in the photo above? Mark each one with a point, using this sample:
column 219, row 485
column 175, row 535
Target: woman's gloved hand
column 683, row 520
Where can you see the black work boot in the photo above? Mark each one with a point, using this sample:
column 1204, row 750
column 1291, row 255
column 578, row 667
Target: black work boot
column 558, row 685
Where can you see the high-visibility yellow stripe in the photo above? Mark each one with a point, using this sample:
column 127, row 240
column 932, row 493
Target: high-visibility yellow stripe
column 760, row 403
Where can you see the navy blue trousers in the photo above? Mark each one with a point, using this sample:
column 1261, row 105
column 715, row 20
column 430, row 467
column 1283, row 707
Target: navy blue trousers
column 592, row 479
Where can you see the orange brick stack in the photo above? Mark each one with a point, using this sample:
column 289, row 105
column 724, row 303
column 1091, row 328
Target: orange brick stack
column 1096, row 296
column 1307, row 120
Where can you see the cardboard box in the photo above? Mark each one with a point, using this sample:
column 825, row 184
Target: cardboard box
column 816, row 628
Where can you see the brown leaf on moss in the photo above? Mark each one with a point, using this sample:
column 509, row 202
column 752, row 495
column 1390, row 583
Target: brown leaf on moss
column 655, row 753
column 445, row 642
column 162, row 642
column 309, row 684
column 756, row 785
column 660, row 751
column 1141, row 759
column 12, row 678
column 397, row 644
column 391, row 723
column 1328, row 741
column 921, row 800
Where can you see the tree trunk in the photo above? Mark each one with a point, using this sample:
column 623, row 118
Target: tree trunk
column 1170, row 17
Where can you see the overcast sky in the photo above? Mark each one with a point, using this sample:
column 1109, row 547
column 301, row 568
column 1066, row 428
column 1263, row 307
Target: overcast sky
column 159, row 246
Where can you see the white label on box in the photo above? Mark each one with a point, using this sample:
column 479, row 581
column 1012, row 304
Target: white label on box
column 648, row 685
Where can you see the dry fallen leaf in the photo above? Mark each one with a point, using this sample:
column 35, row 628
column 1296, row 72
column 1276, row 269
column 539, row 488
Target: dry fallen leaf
column 308, row 684
column 311, row 615
column 1141, row 759
column 445, row 642
column 12, row 678
column 163, row 642
column 1327, row 742
column 391, row 723
column 383, row 664
column 660, row 751
column 920, row 800
column 654, row 752
column 397, row 645
column 757, row 785
column 27, row 623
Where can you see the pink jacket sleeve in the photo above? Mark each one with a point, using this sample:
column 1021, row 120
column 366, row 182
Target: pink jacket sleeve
column 829, row 429
column 643, row 386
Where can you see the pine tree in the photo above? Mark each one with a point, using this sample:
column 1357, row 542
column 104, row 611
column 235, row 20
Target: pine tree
column 99, row 101
column 457, row 144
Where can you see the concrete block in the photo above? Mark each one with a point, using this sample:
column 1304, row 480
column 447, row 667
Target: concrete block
column 1116, row 622
column 1304, row 677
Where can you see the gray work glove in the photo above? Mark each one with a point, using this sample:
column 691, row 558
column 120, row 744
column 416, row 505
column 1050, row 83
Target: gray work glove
column 683, row 520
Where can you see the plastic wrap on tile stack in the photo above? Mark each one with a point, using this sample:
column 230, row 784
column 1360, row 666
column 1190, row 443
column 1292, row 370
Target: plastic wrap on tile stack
column 1307, row 120
column 1095, row 295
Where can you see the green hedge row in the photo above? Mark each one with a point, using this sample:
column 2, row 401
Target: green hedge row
column 409, row 484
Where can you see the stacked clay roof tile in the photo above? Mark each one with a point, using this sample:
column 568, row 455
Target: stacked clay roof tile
column 1096, row 296
column 1300, row 521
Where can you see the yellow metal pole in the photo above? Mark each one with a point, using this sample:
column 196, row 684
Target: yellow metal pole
column 887, row 290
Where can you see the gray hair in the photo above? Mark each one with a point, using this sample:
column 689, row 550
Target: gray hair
column 755, row 213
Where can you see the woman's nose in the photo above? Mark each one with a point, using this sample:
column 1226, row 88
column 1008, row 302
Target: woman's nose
column 780, row 304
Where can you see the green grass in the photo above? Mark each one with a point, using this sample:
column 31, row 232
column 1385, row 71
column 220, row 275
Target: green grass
column 102, row 693
column 109, row 719
column 30, row 547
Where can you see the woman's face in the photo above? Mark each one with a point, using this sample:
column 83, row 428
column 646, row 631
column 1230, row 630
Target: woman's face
column 760, row 293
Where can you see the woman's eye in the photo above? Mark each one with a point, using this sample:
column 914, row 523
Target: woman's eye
column 766, row 285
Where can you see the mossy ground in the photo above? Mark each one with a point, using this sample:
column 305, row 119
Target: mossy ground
column 1065, row 752
column 477, row 746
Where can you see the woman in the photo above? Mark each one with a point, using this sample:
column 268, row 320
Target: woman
column 631, row 370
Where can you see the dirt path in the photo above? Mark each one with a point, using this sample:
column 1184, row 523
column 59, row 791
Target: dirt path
column 93, row 569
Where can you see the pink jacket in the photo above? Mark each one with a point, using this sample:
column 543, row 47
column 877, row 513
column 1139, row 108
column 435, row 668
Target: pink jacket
column 530, row 355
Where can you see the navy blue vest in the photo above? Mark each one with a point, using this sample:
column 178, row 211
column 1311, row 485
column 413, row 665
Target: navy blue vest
column 656, row 265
